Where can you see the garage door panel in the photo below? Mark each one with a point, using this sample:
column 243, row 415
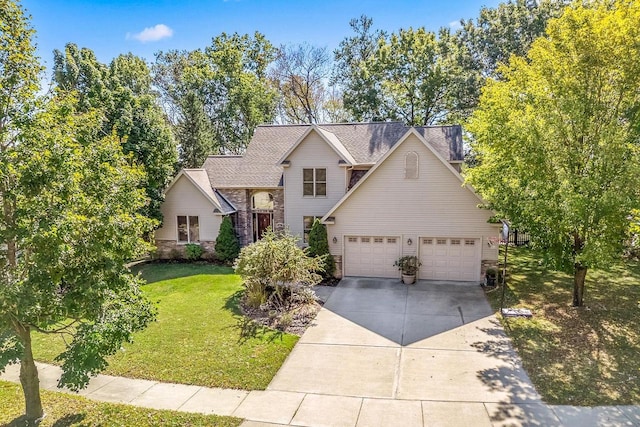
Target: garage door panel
column 449, row 258
column 371, row 256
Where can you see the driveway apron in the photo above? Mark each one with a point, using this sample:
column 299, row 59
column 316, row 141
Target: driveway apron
column 432, row 341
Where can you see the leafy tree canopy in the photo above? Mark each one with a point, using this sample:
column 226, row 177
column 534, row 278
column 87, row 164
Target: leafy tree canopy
column 558, row 136
column 122, row 93
column 228, row 81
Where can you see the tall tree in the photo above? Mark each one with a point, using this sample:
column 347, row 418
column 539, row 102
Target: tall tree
column 558, row 137
column 300, row 72
column 229, row 78
column 509, row 29
column 360, row 87
column 74, row 225
column 193, row 130
column 417, row 76
column 122, row 92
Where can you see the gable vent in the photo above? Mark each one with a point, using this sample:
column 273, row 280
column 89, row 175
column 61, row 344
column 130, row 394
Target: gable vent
column 411, row 165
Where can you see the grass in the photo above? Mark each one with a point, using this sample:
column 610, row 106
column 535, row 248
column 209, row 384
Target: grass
column 69, row 410
column 578, row 356
column 200, row 336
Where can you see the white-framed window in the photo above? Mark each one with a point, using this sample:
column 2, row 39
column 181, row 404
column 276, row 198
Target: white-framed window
column 411, row 165
column 307, row 223
column 188, row 229
column 314, row 182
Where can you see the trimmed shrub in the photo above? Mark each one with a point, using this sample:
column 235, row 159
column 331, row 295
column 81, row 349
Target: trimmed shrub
column 227, row 244
column 193, row 251
column 319, row 246
column 275, row 268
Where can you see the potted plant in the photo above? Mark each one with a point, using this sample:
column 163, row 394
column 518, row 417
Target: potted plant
column 408, row 265
column 491, row 276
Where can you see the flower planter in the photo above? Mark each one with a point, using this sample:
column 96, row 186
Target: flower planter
column 408, row 279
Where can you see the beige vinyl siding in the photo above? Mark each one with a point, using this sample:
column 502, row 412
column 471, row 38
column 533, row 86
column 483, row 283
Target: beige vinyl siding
column 312, row 152
column 185, row 199
column 433, row 205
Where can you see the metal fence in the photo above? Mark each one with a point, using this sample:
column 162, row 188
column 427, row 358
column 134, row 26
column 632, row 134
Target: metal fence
column 518, row 238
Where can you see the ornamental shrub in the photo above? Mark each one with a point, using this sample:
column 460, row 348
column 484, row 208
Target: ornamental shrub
column 274, row 269
column 227, row 244
column 319, row 246
column 193, row 251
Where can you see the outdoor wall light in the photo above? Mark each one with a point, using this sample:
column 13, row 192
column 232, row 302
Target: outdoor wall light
column 409, row 242
column 335, row 240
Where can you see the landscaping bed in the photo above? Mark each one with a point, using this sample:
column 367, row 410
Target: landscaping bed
column 576, row 356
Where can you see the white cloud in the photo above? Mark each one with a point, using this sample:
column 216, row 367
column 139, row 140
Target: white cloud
column 152, row 34
column 455, row 25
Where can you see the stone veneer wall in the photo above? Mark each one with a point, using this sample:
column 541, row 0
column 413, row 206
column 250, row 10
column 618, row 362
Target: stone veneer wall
column 486, row 263
column 166, row 249
column 240, row 198
column 278, row 209
column 338, row 262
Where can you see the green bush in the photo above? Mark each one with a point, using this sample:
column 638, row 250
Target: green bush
column 275, row 268
column 227, row 244
column 193, row 251
column 319, row 246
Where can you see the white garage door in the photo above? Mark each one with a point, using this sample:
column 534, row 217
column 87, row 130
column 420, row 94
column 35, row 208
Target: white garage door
column 371, row 256
column 446, row 258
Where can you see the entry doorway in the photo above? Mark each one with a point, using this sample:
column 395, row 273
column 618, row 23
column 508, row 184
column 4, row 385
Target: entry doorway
column 262, row 211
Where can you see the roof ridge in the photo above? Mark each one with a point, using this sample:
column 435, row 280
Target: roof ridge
column 224, row 156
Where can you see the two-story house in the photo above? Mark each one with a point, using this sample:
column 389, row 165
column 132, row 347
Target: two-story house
column 383, row 189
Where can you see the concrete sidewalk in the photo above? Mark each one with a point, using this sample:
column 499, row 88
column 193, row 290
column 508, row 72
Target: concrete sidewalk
column 379, row 354
column 272, row 408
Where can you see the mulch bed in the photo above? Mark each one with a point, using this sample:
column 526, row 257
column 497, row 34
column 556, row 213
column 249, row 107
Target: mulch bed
column 301, row 316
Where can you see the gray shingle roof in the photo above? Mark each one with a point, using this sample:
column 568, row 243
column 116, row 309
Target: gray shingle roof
column 366, row 142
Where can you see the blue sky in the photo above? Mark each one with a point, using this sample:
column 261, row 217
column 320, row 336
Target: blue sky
column 143, row 27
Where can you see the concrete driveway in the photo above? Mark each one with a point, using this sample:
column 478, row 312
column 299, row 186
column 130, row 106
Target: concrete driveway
column 436, row 345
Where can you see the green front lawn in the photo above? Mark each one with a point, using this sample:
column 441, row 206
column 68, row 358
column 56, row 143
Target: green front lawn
column 200, row 337
column 585, row 356
column 69, row 410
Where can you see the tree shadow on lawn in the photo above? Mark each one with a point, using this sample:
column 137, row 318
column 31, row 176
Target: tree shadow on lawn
column 67, row 420
column 153, row 271
column 249, row 328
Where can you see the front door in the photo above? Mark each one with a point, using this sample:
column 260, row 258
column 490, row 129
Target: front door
column 262, row 221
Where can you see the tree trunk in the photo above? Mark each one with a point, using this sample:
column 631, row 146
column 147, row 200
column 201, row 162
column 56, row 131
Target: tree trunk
column 29, row 379
column 579, row 274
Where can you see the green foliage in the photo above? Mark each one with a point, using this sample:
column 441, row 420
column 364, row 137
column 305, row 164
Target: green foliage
column 276, row 266
column 228, row 78
column 360, row 87
column 557, row 137
column 408, row 264
column 319, row 246
column 193, row 130
column 193, row 251
column 227, row 244
column 508, row 29
column 71, row 223
column 122, row 94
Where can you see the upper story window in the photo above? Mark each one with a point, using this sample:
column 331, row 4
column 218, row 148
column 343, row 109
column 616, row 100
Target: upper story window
column 411, row 165
column 188, row 229
column 262, row 201
column 314, row 182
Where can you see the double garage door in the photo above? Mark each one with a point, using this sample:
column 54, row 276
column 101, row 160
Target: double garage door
column 442, row 258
